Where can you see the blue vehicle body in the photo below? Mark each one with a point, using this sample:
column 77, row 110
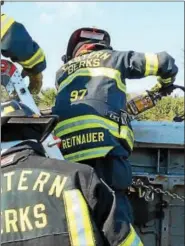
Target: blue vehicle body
column 158, row 160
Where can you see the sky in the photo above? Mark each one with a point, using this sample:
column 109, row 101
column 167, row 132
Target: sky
column 138, row 26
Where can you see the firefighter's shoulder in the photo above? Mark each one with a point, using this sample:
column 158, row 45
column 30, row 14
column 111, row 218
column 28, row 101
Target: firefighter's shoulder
column 71, row 169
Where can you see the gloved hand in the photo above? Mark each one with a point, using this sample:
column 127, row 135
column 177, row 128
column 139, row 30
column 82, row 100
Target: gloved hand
column 163, row 86
column 156, row 88
column 35, row 81
column 166, row 82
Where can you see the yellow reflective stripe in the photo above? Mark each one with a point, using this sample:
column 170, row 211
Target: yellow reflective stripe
column 88, row 154
column 127, row 134
column 34, row 60
column 95, row 72
column 86, row 117
column 152, row 64
column 83, row 127
column 6, row 23
column 91, row 121
column 132, row 239
column 78, row 219
column 85, row 122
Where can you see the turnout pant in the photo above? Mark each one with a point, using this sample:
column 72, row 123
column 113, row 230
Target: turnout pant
column 116, row 171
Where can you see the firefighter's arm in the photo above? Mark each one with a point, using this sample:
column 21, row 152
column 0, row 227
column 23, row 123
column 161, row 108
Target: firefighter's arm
column 18, row 45
column 140, row 65
column 109, row 216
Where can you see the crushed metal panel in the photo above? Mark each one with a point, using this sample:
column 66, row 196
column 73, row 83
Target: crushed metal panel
column 164, row 133
column 158, row 158
column 176, row 220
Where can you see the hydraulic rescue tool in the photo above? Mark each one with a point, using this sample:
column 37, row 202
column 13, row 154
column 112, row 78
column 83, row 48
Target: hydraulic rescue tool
column 15, row 86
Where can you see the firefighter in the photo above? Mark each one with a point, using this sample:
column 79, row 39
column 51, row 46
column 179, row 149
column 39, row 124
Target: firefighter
column 17, row 44
column 91, row 102
column 51, row 202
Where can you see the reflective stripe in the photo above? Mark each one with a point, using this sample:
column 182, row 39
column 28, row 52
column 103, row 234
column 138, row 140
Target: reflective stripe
column 132, row 239
column 34, row 60
column 152, row 64
column 127, row 134
column 6, row 23
column 164, row 81
column 78, row 219
column 95, row 72
column 65, row 126
column 92, row 121
column 88, row 154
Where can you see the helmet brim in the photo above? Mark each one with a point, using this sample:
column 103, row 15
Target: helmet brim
column 15, row 128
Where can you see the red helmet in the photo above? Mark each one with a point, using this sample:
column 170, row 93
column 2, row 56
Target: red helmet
column 86, row 35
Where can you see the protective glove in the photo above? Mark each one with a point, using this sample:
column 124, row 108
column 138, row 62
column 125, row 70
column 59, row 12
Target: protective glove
column 163, row 86
column 156, row 88
column 166, row 82
column 35, row 81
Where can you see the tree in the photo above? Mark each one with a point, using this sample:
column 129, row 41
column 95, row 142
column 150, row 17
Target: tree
column 48, row 98
column 4, row 94
column 165, row 110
